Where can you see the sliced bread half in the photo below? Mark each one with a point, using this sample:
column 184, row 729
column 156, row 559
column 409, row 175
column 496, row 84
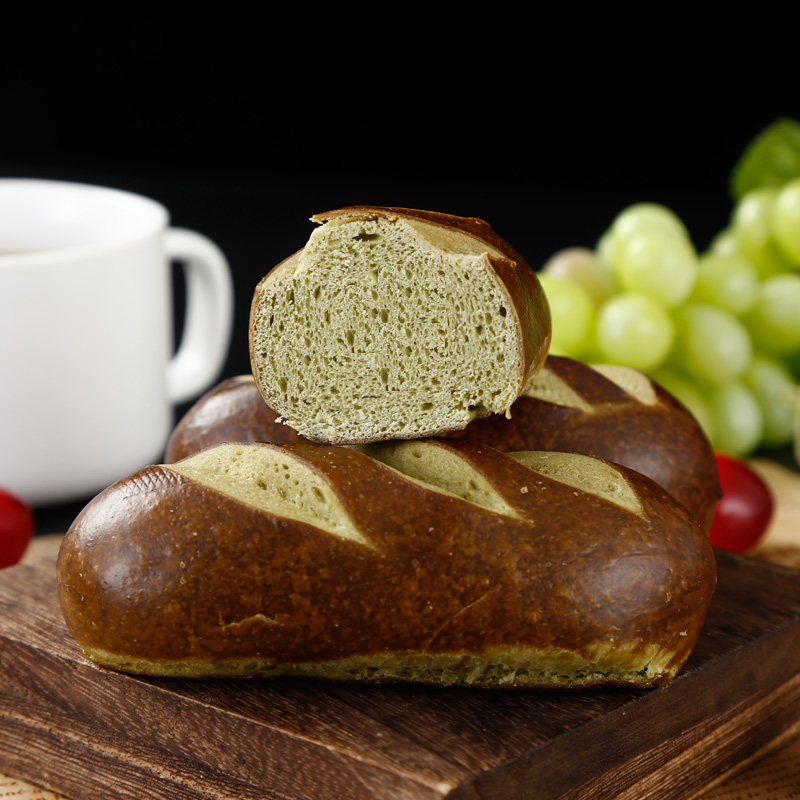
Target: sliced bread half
column 396, row 324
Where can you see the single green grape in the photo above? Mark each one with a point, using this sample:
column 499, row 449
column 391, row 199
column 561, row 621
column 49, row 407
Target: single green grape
column 711, row 344
column 753, row 223
column 639, row 218
column 572, row 314
column 726, row 244
column 634, row 330
column 774, row 320
column 582, row 266
column 738, row 422
column 659, row 264
column 646, row 218
column 786, row 221
column 605, row 250
column 767, row 260
column 777, row 394
column 752, row 218
column 729, row 281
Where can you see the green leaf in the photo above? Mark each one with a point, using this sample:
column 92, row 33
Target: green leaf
column 771, row 159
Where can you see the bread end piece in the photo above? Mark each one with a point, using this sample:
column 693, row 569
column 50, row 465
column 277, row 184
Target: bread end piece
column 396, row 324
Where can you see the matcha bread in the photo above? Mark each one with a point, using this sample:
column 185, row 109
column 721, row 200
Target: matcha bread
column 436, row 561
column 396, row 324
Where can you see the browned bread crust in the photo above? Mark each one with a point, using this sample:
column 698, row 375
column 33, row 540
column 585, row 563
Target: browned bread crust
column 231, row 411
column 163, row 575
column 658, row 438
column 652, row 433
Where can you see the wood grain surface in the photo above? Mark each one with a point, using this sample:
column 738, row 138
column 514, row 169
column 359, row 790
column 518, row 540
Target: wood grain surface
column 89, row 733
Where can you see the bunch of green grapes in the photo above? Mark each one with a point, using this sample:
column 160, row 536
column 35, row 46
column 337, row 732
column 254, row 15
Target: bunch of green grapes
column 719, row 329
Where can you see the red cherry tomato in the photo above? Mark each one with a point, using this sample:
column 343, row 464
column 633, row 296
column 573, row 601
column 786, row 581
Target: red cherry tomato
column 16, row 529
column 745, row 509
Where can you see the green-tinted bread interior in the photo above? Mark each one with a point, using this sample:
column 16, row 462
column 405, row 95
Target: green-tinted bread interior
column 386, row 326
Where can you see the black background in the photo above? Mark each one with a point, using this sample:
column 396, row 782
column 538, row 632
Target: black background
column 244, row 130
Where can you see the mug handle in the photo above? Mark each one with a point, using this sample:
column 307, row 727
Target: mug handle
column 208, row 322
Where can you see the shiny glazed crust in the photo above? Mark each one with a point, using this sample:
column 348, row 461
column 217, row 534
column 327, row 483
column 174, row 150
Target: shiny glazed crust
column 632, row 421
column 232, row 411
column 164, row 574
column 569, row 406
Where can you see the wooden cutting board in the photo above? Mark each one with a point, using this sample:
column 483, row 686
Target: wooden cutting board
column 89, row 734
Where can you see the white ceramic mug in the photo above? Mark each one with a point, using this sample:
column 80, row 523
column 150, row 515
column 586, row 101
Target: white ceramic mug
column 88, row 372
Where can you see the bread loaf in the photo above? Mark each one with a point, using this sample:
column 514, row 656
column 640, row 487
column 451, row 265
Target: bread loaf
column 614, row 413
column 438, row 561
column 396, row 324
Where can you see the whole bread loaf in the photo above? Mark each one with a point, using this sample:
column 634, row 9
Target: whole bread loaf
column 395, row 324
column 614, row 413
column 439, row 561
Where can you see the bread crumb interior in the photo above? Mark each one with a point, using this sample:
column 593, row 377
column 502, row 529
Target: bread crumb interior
column 386, row 327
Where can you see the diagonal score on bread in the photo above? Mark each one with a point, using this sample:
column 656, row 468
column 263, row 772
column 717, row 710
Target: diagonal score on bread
column 585, row 473
column 396, row 324
column 545, row 385
column 548, row 386
column 614, row 413
column 163, row 574
column 271, row 479
column 632, row 381
column 440, row 464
